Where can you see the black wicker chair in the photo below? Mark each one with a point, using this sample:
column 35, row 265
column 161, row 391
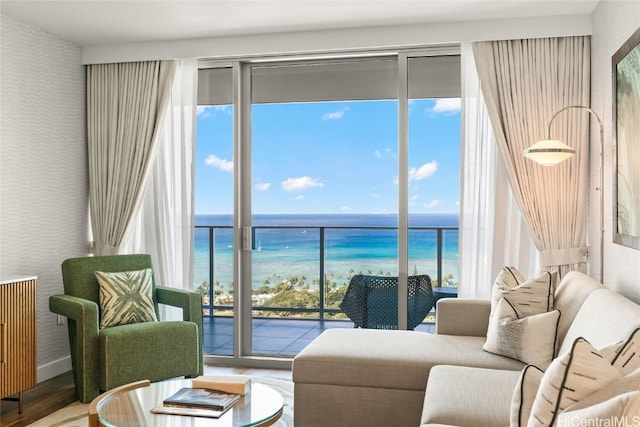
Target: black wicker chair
column 372, row 301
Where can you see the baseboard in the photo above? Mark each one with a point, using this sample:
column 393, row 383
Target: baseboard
column 53, row 369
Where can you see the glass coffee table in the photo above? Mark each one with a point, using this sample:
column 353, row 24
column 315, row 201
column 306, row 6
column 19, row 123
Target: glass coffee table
column 131, row 405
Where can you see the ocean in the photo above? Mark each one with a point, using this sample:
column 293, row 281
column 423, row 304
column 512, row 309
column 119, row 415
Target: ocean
column 288, row 246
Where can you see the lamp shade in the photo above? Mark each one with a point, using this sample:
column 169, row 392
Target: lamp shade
column 549, row 152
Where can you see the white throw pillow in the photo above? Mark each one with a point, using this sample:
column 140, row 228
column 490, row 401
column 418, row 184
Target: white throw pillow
column 524, row 395
column 508, row 278
column 570, row 378
column 625, row 384
column 529, row 297
column 627, row 358
column 531, row 339
column 621, row 410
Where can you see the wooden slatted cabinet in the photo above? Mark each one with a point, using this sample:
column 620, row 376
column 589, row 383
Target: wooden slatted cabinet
column 17, row 336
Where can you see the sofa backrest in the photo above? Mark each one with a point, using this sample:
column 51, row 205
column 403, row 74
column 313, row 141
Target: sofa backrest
column 570, row 294
column 605, row 317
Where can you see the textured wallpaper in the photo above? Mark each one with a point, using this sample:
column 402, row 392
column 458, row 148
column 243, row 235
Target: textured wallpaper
column 43, row 172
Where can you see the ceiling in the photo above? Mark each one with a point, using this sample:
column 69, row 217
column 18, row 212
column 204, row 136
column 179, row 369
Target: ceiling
column 95, row 22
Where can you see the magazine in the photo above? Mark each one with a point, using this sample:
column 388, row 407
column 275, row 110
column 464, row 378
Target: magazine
column 202, row 398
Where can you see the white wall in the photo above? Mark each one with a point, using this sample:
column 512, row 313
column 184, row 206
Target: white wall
column 613, row 23
column 43, row 173
column 356, row 39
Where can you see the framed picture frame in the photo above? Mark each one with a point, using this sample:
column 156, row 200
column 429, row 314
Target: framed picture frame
column 626, row 139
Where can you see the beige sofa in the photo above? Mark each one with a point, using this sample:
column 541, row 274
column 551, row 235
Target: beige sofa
column 362, row 377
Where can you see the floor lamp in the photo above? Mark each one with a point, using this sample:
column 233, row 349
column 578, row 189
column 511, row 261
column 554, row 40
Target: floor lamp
column 550, row 152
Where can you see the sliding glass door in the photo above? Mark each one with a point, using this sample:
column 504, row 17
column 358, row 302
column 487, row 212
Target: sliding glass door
column 311, row 172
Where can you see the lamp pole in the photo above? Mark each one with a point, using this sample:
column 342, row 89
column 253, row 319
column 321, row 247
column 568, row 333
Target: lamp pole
column 600, row 188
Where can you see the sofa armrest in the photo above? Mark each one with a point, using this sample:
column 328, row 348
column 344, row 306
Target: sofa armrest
column 467, row 317
column 83, row 327
column 191, row 304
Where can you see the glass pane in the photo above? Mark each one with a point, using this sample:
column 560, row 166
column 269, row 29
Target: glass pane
column 434, row 170
column 213, row 243
column 324, row 183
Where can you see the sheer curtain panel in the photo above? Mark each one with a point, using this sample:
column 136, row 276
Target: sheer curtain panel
column 125, row 106
column 493, row 232
column 165, row 225
column 524, row 82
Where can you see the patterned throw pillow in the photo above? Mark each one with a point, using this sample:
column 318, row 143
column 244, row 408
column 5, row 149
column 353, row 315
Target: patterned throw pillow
column 570, row 378
column 125, row 297
column 621, row 410
column 529, row 297
column 508, row 278
column 524, row 395
column 530, row 339
column 626, row 357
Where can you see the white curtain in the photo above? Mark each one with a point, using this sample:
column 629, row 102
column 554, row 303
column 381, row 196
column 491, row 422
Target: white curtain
column 165, row 226
column 493, row 233
column 524, row 82
column 125, row 106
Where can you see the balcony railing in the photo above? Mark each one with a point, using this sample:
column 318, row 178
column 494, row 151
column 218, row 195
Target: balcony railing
column 432, row 250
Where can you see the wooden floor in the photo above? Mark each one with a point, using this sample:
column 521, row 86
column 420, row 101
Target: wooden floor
column 58, row 392
column 40, row 401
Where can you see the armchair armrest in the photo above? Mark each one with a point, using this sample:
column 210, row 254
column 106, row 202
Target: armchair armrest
column 191, row 304
column 83, row 327
column 468, row 317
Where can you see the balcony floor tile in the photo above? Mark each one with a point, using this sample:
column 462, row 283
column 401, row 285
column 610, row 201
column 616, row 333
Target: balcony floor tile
column 273, row 337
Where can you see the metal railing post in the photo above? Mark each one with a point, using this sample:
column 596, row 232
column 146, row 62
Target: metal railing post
column 439, row 257
column 322, row 284
column 212, row 269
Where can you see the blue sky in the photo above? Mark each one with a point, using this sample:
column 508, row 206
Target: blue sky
column 332, row 157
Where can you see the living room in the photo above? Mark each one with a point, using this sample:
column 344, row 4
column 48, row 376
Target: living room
column 44, row 173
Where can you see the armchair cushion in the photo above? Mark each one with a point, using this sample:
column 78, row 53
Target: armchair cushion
column 121, row 356
column 126, row 297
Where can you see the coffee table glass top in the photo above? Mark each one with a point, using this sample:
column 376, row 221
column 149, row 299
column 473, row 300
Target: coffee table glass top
column 262, row 406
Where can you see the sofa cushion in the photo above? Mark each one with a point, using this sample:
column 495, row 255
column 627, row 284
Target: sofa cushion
column 524, row 394
column 468, row 397
column 570, row 378
column 604, row 317
column 571, row 292
column 530, row 339
column 388, row 359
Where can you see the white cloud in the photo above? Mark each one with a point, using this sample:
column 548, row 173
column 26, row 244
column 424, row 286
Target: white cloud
column 204, row 110
column 434, row 203
column 446, row 106
column 300, row 184
column 218, row 163
column 208, row 110
column 336, row 115
column 263, row 186
column 345, row 208
column 300, row 197
column 414, row 198
column 423, row 172
column 375, row 195
column 377, row 153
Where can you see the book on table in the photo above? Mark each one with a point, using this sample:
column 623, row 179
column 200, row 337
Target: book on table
column 202, row 398
column 236, row 384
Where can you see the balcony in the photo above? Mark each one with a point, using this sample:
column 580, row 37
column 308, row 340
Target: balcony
column 290, row 308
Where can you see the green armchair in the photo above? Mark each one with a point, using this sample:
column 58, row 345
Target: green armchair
column 104, row 358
